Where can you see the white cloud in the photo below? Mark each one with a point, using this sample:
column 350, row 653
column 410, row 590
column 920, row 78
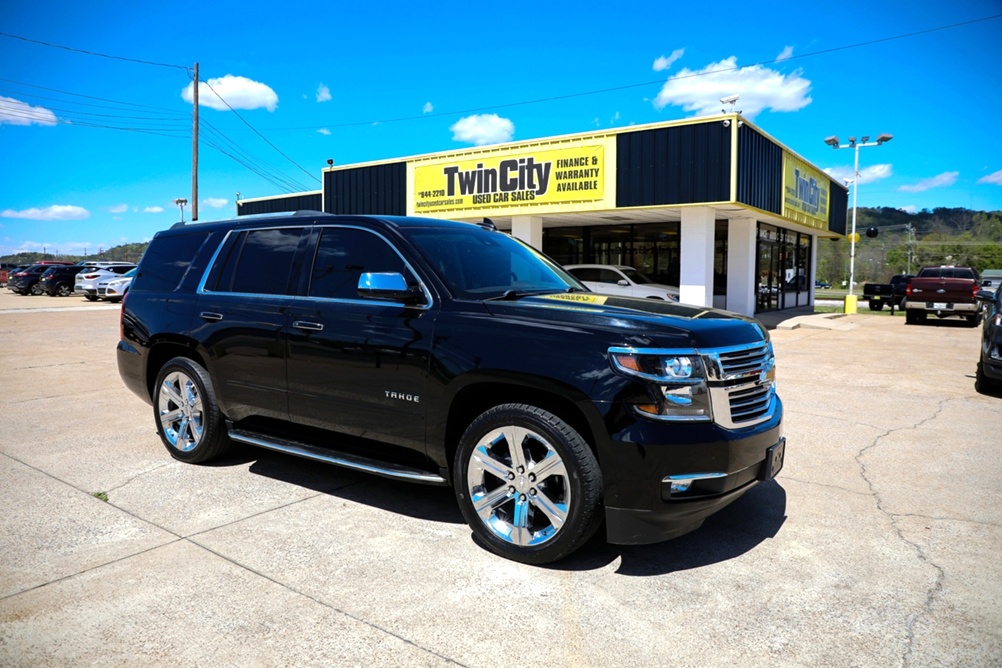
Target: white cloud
column 866, row 175
column 427, row 108
column 153, row 209
column 785, row 54
column 911, row 208
column 55, row 212
column 661, row 63
column 760, row 88
column 323, row 93
column 215, row 202
column 15, row 112
column 944, row 179
column 324, row 131
column 119, row 208
column 481, row 129
column 995, row 178
column 239, row 93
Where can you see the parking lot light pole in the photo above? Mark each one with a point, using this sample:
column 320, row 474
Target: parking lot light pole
column 180, row 203
column 853, row 144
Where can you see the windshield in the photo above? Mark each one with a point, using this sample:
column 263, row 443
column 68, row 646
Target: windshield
column 635, row 276
column 479, row 264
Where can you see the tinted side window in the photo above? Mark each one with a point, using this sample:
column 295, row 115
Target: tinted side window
column 259, row 262
column 608, row 276
column 166, row 260
column 343, row 254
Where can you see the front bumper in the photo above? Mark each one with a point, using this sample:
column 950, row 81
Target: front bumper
column 641, row 461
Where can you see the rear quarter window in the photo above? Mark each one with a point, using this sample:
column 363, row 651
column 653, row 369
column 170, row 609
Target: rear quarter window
column 166, row 260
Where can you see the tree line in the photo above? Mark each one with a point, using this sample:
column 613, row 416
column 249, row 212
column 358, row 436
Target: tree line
column 941, row 236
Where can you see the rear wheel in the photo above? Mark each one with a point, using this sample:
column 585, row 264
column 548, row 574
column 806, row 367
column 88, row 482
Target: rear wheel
column 974, row 319
column 90, row 298
column 188, row 418
column 876, row 305
column 527, row 483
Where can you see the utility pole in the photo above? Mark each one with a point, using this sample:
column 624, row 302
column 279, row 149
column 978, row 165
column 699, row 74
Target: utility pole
column 194, row 154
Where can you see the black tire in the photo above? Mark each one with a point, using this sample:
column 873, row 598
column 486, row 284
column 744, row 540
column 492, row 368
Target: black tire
column 974, row 319
column 36, row 289
column 983, row 384
column 522, row 517
column 876, row 305
column 186, row 413
column 64, row 290
column 90, row 298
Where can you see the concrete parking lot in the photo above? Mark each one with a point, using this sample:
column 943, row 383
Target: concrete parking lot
column 878, row 544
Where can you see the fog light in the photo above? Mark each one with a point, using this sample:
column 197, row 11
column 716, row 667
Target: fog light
column 679, row 486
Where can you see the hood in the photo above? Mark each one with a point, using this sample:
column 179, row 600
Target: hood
column 636, row 322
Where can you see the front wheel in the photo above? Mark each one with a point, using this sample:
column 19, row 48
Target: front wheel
column 983, row 384
column 528, row 484
column 36, row 289
column 188, row 418
column 64, row 290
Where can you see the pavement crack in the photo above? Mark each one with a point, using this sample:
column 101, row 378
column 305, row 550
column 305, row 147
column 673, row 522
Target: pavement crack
column 937, row 586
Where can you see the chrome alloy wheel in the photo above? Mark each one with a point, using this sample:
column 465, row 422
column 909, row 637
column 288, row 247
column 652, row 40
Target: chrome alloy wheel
column 180, row 409
column 519, row 486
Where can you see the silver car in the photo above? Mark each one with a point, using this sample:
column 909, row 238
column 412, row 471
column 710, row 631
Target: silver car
column 620, row 280
column 86, row 283
column 114, row 289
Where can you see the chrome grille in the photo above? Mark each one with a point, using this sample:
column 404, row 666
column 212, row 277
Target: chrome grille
column 743, row 362
column 741, row 383
column 750, row 403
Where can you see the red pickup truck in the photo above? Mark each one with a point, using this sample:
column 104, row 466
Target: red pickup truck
column 943, row 291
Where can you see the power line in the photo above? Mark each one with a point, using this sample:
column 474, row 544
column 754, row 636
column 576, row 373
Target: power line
column 312, row 176
column 92, row 53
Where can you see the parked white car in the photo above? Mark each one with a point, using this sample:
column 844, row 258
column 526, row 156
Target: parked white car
column 621, row 280
column 86, row 282
column 114, row 289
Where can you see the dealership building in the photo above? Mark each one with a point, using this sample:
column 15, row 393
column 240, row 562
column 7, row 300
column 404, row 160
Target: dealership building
column 713, row 205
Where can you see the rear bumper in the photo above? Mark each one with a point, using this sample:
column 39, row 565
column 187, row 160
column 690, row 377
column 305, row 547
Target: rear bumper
column 944, row 308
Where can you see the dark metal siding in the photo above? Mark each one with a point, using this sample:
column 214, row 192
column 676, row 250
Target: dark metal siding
column 281, row 204
column 686, row 164
column 838, row 203
column 379, row 189
column 760, row 171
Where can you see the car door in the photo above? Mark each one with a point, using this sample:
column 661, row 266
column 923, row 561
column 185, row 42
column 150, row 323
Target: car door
column 241, row 316
column 358, row 365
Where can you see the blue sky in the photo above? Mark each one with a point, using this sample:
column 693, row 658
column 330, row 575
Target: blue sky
column 94, row 149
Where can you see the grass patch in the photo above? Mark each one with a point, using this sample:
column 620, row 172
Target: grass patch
column 103, row 496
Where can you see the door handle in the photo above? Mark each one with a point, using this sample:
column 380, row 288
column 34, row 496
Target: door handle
column 209, row 315
column 309, row 326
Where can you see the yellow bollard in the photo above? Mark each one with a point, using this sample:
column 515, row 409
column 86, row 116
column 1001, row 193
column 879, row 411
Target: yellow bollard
column 850, row 304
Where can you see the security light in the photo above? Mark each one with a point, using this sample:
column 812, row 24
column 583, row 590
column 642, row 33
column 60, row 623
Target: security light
column 884, row 137
column 832, row 141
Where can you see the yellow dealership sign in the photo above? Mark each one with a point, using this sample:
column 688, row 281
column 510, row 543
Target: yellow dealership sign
column 574, row 172
column 805, row 193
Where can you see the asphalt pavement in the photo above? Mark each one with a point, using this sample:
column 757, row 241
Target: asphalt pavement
column 877, row 545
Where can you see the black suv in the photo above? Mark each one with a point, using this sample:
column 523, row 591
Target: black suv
column 26, row 281
column 452, row 354
column 58, row 281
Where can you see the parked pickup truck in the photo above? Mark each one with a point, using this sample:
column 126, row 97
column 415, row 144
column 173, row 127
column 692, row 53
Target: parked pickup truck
column 944, row 292
column 892, row 294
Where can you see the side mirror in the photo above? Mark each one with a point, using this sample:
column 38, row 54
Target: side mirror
column 623, row 282
column 985, row 295
column 388, row 286
column 987, row 283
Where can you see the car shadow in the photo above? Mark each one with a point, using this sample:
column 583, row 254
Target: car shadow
column 737, row 529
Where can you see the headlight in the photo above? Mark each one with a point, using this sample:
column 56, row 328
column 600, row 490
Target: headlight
column 677, row 380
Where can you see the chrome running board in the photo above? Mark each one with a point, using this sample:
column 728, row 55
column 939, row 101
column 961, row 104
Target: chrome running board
column 354, row 462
